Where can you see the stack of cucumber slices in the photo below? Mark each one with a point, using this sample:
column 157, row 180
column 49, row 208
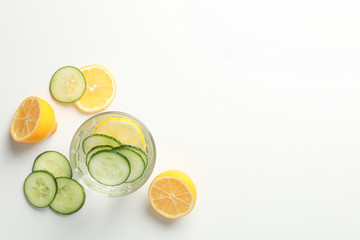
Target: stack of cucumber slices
column 111, row 163
column 51, row 184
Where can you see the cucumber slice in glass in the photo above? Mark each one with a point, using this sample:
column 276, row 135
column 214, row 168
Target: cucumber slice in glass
column 67, row 85
column 70, row 196
column 98, row 139
column 53, row 162
column 95, row 150
column 40, row 188
column 137, row 164
column 109, row 167
column 138, row 150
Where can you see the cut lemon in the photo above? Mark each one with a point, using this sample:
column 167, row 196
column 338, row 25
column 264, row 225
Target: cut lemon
column 33, row 121
column 100, row 89
column 124, row 130
column 172, row 194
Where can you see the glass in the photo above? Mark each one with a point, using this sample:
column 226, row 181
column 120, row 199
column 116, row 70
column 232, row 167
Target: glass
column 78, row 158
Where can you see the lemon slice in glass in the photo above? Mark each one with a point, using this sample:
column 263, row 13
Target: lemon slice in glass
column 126, row 131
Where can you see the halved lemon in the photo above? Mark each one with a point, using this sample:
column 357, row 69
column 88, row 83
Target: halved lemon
column 33, row 121
column 172, row 194
column 100, row 89
column 124, row 130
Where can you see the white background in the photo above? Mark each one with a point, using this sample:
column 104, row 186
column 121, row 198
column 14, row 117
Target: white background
column 258, row 101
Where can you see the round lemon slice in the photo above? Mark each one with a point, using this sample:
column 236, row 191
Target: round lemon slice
column 126, row 131
column 100, row 89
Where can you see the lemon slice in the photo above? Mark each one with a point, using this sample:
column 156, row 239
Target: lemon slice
column 100, row 89
column 126, row 131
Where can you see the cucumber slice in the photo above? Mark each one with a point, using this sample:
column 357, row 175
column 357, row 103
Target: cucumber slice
column 40, row 188
column 98, row 139
column 109, row 167
column 137, row 164
column 53, row 162
column 67, row 85
column 70, row 196
column 96, row 149
column 138, row 150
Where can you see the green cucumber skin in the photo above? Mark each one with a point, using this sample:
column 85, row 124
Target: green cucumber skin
column 52, row 79
column 46, row 152
column 41, row 171
column 82, row 204
column 101, row 135
column 112, row 151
